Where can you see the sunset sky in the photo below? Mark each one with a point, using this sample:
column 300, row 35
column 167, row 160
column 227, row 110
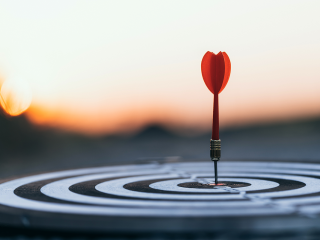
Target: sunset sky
column 100, row 67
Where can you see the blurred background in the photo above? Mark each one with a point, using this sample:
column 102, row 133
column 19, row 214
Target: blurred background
column 90, row 83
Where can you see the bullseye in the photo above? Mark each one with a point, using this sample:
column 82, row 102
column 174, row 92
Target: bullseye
column 172, row 185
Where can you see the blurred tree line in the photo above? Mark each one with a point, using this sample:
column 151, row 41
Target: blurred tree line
column 18, row 136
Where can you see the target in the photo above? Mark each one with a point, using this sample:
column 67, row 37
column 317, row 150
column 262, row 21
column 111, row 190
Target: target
column 171, row 190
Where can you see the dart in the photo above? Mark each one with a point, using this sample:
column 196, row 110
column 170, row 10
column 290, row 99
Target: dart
column 216, row 69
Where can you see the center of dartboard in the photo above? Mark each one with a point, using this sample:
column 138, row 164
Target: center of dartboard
column 223, row 183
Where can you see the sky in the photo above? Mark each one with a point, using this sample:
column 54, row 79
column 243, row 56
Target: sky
column 105, row 67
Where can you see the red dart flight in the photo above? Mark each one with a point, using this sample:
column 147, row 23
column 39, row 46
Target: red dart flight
column 216, row 71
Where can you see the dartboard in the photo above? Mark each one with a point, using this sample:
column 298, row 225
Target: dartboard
column 176, row 195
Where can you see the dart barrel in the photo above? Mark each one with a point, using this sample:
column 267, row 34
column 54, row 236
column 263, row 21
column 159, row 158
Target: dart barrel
column 215, row 150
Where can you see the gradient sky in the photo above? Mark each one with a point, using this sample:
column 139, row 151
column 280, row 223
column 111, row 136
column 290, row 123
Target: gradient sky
column 111, row 66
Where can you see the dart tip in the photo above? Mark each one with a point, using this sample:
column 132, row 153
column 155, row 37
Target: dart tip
column 216, row 172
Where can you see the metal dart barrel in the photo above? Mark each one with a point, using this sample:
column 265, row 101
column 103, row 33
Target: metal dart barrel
column 215, row 150
column 215, row 154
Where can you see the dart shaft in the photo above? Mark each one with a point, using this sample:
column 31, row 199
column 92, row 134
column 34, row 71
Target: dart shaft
column 215, row 119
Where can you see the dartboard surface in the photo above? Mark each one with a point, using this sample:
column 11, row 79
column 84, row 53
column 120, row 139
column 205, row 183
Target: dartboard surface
column 166, row 197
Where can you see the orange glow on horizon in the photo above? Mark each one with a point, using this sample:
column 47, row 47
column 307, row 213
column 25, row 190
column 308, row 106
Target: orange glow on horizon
column 128, row 121
column 124, row 121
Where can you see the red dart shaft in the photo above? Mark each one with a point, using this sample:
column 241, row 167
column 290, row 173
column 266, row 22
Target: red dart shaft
column 215, row 120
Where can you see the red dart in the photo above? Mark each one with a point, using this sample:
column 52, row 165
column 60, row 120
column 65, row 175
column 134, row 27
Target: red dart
column 216, row 71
